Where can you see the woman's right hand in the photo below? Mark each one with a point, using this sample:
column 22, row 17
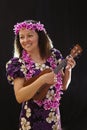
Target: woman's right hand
column 49, row 78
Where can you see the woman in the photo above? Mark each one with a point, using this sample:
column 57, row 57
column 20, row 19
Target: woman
column 33, row 53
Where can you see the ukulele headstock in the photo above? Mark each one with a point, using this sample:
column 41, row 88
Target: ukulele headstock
column 76, row 50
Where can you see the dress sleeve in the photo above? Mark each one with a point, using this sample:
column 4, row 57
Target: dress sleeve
column 57, row 55
column 14, row 69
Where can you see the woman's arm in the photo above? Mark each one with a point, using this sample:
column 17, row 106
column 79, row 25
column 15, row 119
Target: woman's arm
column 25, row 93
column 68, row 72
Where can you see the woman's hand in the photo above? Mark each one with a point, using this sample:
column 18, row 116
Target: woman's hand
column 67, row 73
column 70, row 63
column 50, row 78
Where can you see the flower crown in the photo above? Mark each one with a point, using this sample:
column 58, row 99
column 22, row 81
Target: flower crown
column 34, row 26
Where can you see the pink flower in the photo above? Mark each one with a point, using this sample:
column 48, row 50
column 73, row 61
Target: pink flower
column 29, row 64
column 34, row 26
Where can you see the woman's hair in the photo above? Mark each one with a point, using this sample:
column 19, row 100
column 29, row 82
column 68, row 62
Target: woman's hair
column 44, row 42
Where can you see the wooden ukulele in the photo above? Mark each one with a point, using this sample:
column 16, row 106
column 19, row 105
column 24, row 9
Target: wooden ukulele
column 41, row 93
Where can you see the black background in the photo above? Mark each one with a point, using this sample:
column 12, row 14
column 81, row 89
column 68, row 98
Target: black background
column 66, row 23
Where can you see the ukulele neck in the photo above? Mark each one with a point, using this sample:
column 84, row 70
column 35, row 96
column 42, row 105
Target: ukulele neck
column 60, row 66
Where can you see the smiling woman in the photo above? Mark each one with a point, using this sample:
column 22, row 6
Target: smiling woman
column 36, row 54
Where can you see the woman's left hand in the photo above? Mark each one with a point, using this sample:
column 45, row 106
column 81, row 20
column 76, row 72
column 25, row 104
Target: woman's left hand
column 70, row 62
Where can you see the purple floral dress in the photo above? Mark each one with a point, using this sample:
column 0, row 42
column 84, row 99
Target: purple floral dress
column 43, row 114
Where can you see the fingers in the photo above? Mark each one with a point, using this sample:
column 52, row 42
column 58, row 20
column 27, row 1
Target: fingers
column 70, row 62
column 55, row 78
column 50, row 78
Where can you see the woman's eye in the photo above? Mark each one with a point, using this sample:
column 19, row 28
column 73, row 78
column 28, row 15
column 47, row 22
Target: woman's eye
column 30, row 35
column 21, row 37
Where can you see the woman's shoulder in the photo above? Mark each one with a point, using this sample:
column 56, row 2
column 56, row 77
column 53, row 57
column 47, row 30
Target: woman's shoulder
column 14, row 68
column 14, row 61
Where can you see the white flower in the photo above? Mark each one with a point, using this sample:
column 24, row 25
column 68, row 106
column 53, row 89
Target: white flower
column 28, row 111
column 25, row 107
column 50, row 118
column 47, row 67
column 56, row 118
column 55, row 127
column 9, row 78
column 20, row 60
column 50, row 94
column 9, row 62
column 25, row 124
column 40, row 66
column 23, row 69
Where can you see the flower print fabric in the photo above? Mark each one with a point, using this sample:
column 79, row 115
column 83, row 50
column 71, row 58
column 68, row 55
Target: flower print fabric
column 43, row 114
column 15, row 68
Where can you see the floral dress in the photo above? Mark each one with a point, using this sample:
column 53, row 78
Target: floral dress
column 43, row 114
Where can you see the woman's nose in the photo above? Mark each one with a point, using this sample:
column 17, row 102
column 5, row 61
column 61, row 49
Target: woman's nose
column 26, row 39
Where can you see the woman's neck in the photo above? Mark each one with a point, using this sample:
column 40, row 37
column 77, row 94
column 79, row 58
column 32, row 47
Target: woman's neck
column 36, row 57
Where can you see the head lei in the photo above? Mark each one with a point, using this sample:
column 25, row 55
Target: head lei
column 34, row 26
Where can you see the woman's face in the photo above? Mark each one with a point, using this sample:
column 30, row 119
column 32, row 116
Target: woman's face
column 28, row 40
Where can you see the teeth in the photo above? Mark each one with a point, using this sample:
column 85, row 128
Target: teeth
column 28, row 45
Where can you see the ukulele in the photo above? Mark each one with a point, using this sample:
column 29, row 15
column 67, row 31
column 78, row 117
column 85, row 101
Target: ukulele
column 41, row 93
